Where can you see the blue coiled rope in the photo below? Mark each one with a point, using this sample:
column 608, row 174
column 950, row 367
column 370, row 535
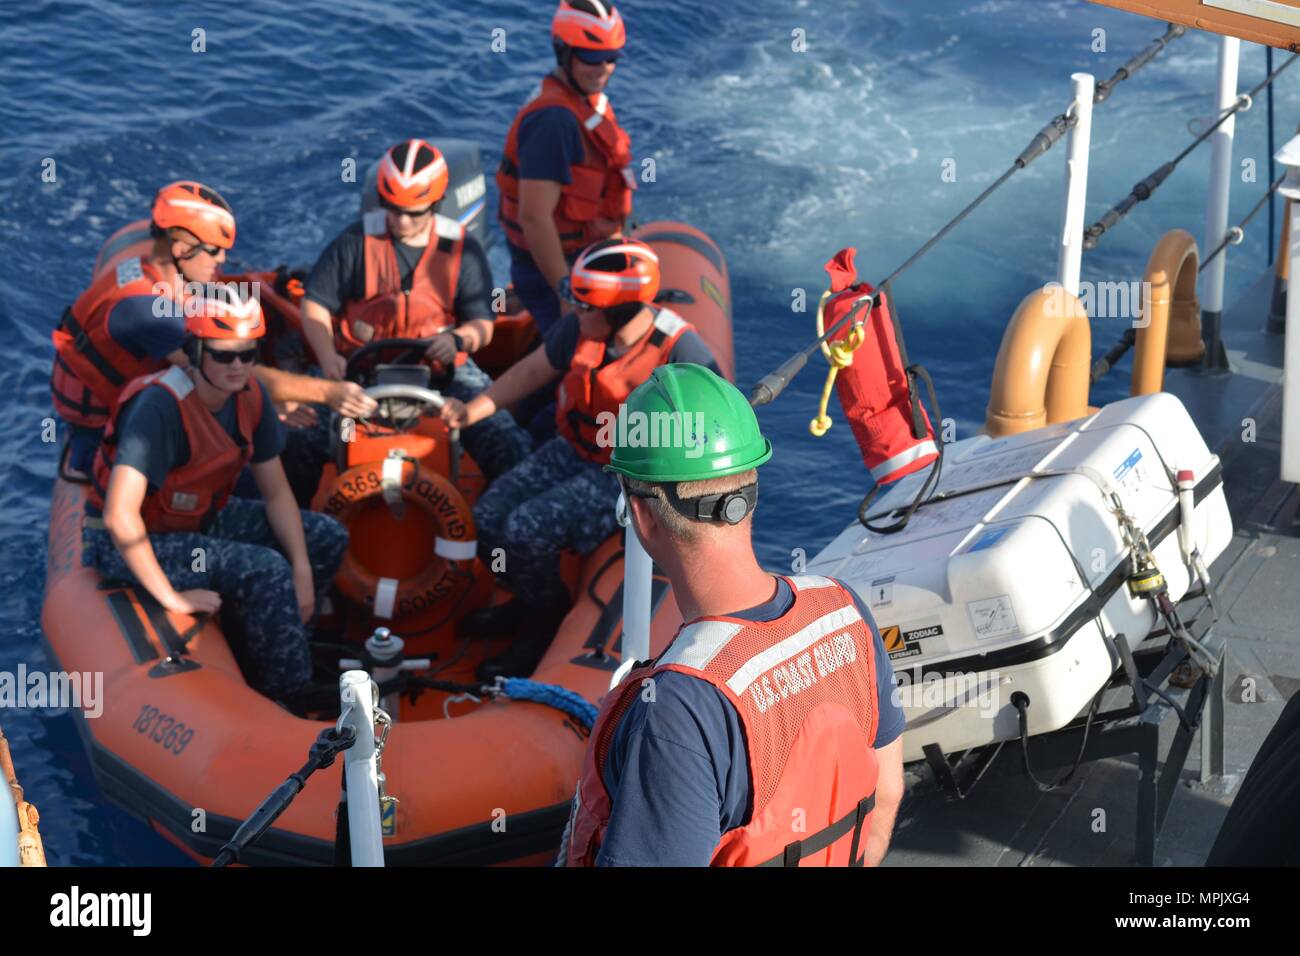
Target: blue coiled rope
column 552, row 695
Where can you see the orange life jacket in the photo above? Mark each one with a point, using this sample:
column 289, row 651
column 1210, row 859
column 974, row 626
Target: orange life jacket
column 193, row 493
column 601, row 184
column 805, row 688
column 390, row 311
column 90, row 367
column 590, row 395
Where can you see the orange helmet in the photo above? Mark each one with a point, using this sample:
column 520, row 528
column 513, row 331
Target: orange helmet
column 615, row 272
column 412, row 175
column 221, row 311
column 588, row 25
column 197, row 209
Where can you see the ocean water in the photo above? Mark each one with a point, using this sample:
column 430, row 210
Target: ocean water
column 783, row 155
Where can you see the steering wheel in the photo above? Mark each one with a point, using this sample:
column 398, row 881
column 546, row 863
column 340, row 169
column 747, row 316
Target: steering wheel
column 401, row 351
column 402, row 406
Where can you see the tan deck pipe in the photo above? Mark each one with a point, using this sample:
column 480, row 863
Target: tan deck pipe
column 1041, row 374
column 1172, row 333
column 31, row 852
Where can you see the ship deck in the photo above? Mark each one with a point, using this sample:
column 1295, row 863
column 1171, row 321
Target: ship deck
column 1005, row 820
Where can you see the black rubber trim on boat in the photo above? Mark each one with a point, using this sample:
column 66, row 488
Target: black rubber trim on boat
column 132, row 628
column 1054, row 640
column 177, row 643
column 602, row 631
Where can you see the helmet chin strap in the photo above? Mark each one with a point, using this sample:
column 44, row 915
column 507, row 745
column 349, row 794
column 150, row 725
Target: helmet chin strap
column 206, row 379
column 564, row 54
column 194, row 349
column 176, row 261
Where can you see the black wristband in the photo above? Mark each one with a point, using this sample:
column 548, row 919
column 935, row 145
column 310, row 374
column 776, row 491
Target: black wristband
column 460, row 342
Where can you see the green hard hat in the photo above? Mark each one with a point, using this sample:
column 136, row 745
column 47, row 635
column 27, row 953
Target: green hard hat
column 686, row 423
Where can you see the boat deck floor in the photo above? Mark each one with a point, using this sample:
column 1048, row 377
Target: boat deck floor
column 1005, row 820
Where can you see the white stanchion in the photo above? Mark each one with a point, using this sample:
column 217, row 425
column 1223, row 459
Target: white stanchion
column 361, row 769
column 1289, row 156
column 1074, row 206
column 637, row 572
column 1221, row 173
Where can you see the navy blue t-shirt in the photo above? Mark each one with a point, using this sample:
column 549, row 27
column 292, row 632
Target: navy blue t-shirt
column 678, row 771
column 550, row 144
column 151, row 438
column 561, row 343
column 339, row 275
column 134, row 326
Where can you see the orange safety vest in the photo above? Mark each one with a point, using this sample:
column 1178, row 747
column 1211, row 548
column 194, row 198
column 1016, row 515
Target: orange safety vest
column 805, row 688
column 601, row 184
column 590, row 392
column 193, row 493
column 390, row 311
column 90, row 368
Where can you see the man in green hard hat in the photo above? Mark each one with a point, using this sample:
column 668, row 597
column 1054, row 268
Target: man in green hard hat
column 766, row 733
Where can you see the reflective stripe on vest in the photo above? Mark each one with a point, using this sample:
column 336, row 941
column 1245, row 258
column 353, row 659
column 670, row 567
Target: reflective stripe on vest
column 390, row 310
column 590, row 389
column 193, row 493
column 810, row 746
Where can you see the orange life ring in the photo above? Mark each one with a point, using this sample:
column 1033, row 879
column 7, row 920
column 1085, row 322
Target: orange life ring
column 454, row 536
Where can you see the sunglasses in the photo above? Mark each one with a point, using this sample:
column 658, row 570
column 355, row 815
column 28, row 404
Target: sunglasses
column 596, row 57
column 227, row 357
column 198, row 247
column 413, row 213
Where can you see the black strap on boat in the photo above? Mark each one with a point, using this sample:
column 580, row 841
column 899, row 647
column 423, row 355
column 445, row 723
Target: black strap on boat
column 851, row 822
column 328, row 745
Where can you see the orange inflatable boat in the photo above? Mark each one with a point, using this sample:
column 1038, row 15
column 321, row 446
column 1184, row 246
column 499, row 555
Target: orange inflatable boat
column 186, row 744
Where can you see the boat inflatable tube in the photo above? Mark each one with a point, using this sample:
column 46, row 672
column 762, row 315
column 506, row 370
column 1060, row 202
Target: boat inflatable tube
column 174, row 739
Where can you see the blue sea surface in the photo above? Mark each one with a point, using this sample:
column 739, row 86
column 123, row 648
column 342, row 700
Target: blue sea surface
column 783, row 156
